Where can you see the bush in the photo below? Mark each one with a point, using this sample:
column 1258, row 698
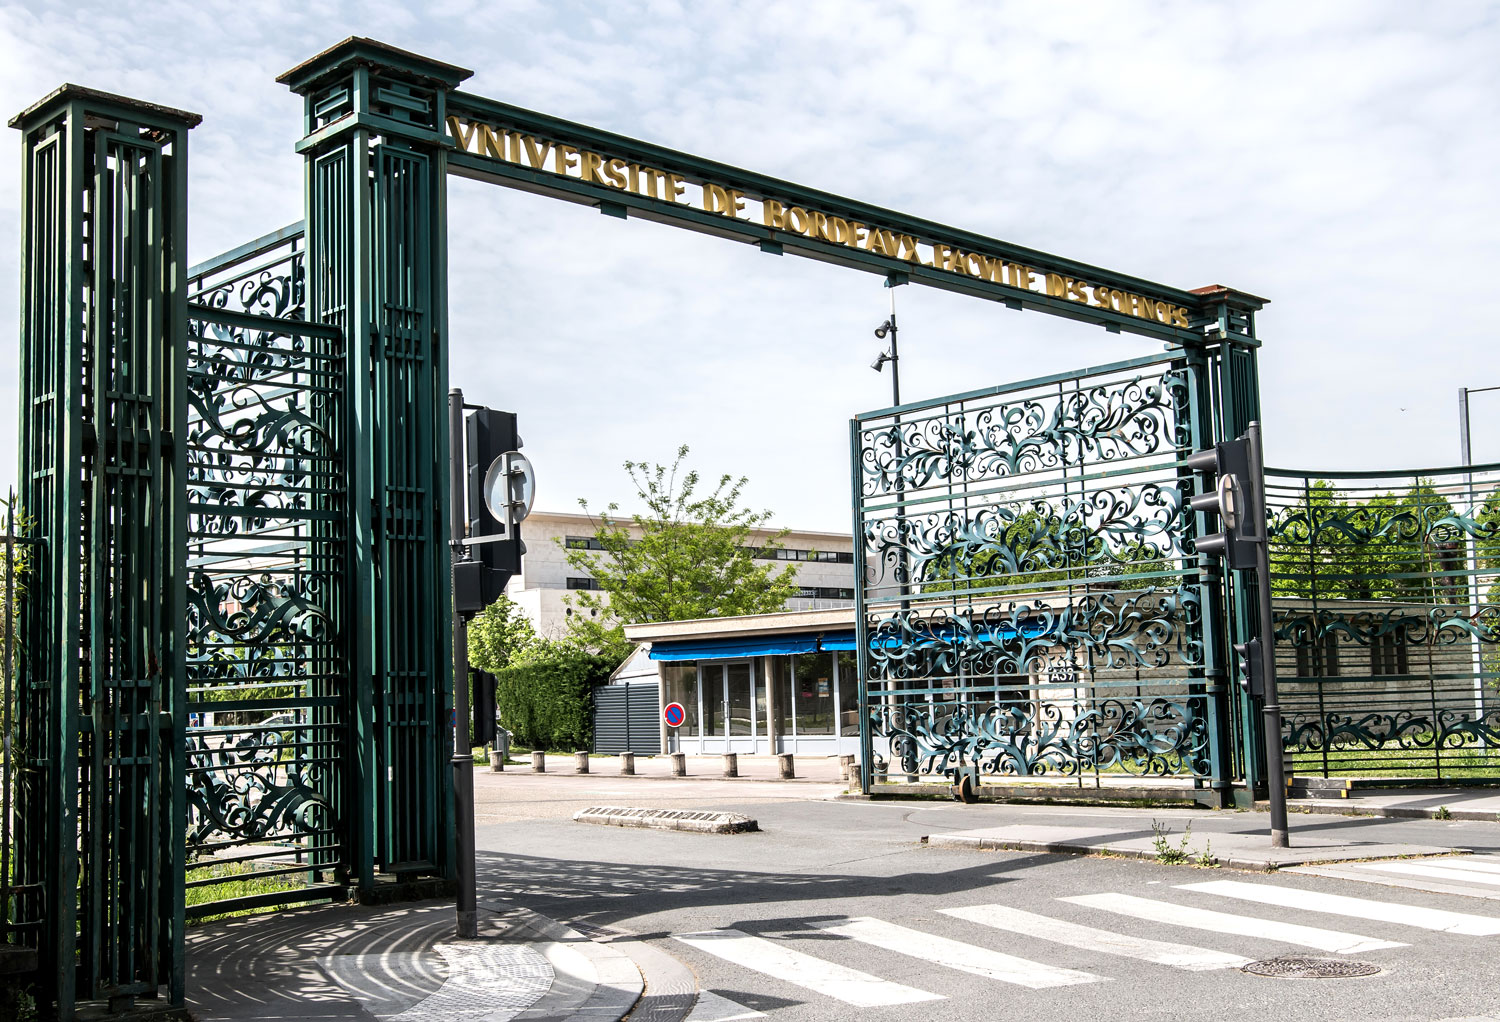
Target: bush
column 545, row 698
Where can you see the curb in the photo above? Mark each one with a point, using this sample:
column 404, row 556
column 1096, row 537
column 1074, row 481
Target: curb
column 591, row 981
column 1068, row 848
column 695, row 821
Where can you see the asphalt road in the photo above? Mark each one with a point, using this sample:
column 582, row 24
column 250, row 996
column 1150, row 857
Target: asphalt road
column 836, row 910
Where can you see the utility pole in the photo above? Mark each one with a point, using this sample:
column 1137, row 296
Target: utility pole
column 463, row 759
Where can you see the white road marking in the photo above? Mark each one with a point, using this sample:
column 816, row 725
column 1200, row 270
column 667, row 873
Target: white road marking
column 1455, row 873
column 712, row 1007
column 1224, row 922
column 1483, row 863
column 774, row 959
column 1087, row 938
column 955, row 954
column 1359, row 908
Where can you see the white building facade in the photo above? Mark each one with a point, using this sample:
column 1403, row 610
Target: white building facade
column 824, row 560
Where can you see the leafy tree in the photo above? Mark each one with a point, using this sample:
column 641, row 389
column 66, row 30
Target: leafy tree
column 1408, row 547
column 1040, row 550
column 498, row 634
column 694, row 556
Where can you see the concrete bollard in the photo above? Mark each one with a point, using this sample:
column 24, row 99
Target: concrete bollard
column 627, row 762
column 880, row 771
column 848, row 769
column 580, row 762
column 539, row 762
column 784, row 766
column 679, row 764
column 497, row 760
column 731, row 764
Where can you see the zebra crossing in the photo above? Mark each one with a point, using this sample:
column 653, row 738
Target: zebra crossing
column 1473, row 876
column 1218, row 925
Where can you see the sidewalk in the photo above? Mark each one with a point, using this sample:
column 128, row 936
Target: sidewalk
column 1479, row 804
column 403, row 962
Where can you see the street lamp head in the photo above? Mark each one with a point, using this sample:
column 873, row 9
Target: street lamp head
column 880, row 361
column 883, row 329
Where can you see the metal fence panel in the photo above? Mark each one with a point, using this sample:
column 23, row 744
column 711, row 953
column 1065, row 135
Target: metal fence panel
column 1030, row 600
column 268, row 676
column 1386, row 594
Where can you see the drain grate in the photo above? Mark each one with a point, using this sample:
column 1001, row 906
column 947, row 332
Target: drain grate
column 1294, row 967
column 667, row 819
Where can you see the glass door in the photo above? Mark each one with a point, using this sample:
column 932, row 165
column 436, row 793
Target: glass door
column 715, row 706
column 739, row 701
column 729, row 707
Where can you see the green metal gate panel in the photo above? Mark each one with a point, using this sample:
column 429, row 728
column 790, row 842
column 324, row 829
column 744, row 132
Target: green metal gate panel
column 103, row 325
column 1030, row 601
column 267, row 661
column 1386, row 596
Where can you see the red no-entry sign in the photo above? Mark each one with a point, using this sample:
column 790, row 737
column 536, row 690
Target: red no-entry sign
column 674, row 714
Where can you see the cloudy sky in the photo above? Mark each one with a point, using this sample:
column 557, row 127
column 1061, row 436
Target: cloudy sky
column 1341, row 159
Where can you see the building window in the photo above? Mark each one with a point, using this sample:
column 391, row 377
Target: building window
column 1388, row 655
column 813, row 690
column 680, row 685
column 576, row 582
column 786, row 554
column 824, row 593
column 848, row 661
column 582, row 543
column 1320, row 659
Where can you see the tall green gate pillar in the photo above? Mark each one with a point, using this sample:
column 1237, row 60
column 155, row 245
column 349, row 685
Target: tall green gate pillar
column 1229, row 319
column 376, row 173
column 100, row 804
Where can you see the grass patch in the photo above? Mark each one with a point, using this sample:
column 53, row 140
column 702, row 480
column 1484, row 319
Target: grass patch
column 237, row 881
column 1421, row 763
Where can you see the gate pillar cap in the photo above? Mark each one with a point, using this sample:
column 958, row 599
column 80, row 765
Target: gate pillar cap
column 103, row 103
column 1224, row 293
column 358, row 50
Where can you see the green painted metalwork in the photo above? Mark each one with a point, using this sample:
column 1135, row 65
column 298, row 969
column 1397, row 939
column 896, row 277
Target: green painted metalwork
column 1030, row 600
column 376, row 215
column 99, row 809
column 1386, row 596
column 1226, row 312
column 267, row 660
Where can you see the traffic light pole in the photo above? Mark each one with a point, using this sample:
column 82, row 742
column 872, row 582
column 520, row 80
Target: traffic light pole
column 1270, row 705
column 463, row 759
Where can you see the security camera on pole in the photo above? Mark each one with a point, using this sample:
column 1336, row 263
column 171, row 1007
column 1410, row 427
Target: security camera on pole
column 1235, row 491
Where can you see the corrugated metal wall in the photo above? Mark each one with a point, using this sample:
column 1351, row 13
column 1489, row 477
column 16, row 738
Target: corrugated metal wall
column 625, row 718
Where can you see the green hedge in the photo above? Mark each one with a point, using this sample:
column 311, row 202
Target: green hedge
column 547, row 702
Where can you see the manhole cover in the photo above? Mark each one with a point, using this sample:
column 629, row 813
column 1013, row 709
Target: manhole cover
column 1292, row 967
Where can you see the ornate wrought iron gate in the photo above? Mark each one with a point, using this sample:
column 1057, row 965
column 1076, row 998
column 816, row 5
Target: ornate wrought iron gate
column 1030, row 603
column 1386, row 593
column 268, row 681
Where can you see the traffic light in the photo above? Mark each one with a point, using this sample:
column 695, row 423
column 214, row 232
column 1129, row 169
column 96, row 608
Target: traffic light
column 1233, row 493
column 498, row 490
column 1252, row 667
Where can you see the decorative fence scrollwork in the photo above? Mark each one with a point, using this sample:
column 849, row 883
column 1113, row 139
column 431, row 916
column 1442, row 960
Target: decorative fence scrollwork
column 1031, row 602
column 1386, row 594
column 267, row 552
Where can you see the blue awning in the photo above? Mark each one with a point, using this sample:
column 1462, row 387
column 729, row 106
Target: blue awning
column 784, row 645
column 733, row 649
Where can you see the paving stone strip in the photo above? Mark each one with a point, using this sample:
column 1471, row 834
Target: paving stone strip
column 700, row 821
